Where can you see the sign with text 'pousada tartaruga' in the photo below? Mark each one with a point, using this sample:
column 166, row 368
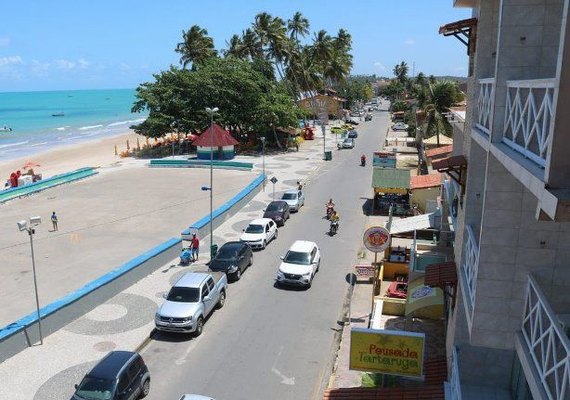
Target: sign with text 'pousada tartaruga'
column 387, row 352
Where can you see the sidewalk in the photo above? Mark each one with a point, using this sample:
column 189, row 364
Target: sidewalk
column 125, row 322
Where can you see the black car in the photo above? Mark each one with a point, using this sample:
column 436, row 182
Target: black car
column 120, row 375
column 352, row 134
column 278, row 211
column 232, row 258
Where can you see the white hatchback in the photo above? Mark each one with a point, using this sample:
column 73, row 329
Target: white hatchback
column 259, row 232
column 300, row 264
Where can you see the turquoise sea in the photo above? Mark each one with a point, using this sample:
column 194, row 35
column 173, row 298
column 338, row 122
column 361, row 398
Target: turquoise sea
column 43, row 120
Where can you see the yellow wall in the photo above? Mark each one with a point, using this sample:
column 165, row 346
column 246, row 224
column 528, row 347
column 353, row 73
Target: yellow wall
column 420, row 196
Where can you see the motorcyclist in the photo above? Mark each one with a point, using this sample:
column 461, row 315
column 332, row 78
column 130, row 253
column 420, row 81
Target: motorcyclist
column 299, row 185
column 363, row 159
column 335, row 218
column 330, row 207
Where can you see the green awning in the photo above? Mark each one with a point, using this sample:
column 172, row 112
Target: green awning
column 392, row 178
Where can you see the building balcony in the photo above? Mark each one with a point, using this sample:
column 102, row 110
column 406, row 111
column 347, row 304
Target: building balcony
column 543, row 347
column 453, row 386
column 468, row 273
column 452, row 199
column 521, row 141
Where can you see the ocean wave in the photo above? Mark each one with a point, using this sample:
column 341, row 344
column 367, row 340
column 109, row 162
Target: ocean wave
column 62, row 128
column 130, row 121
column 3, row 146
column 39, row 144
column 84, row 128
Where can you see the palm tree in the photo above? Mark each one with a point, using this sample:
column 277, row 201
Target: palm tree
column 439, row 97
column 401, row 72
column 261, row 26
column 196, row 47
column 252, row 44
column 298, row 26
column 236, row 48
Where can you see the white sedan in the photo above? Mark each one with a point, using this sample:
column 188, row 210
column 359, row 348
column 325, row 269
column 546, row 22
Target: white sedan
column 347, row 143
column 295, row 199
column 259, row 232
column 400, row 126
column 300, row 264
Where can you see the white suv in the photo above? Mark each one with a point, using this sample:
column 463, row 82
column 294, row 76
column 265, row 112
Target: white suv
column 259, row 232
column 300, row 264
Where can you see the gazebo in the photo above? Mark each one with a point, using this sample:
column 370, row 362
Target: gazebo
column 223, row 144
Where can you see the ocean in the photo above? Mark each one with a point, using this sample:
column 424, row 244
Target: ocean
column 40, row 121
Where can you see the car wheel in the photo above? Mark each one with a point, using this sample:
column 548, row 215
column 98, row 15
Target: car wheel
column 318, row 265
column 250, row 260
column 222, row 300
column 276, row 234
column 145, row 388
column 264, row 245
column 310, row 283
column 199, row 327
column 238, row 274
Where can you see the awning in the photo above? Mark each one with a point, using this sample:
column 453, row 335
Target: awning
column 441, row 275
column 426, row 181
column 464, row 30
column 410, row 224
column 424, row 301
column 454, row 166
column 220, row 137
column 390, row 178
column 438, row 151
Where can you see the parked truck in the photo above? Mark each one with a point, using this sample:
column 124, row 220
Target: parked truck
column 192, row 298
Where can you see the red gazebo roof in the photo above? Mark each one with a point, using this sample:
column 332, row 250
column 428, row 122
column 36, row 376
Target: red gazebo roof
column 221, row 138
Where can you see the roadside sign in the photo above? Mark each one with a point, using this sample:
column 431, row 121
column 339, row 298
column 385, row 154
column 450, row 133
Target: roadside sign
column 273, row 180
column 376, row 238
column 364, row 271
column 384, row 159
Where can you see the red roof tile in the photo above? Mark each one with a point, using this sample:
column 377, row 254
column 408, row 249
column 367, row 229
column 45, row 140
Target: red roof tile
column 440, row 275
column 449, row 163
column 425, row 181
column 221, row 138
column 439, row 151
column 426, row 392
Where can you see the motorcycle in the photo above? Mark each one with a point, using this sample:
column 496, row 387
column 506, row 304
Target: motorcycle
column 363, row 162
column 333, row 228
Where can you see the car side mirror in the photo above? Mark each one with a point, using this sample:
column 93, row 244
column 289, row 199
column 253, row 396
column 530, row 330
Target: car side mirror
column 164, row 295
column 76, row 386
column 282, row 257
column 264, row 210
column 243, row 230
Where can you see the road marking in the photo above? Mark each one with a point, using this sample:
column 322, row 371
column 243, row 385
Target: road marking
column 284, row 379
column 183, row 358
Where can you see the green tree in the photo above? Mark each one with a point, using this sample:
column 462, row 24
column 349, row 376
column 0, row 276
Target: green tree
column 401, row 72
column 196, row 47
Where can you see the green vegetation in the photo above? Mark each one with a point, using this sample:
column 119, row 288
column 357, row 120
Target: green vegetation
column 254, row 82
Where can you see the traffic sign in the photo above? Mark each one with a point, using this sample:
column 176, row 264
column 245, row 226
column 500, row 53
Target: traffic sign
column 273, row 180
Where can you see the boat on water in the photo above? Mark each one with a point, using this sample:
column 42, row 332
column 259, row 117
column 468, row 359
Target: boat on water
column 59, row 114
column 5, row 128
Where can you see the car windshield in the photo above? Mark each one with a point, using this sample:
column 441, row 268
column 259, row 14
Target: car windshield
column 254, row 229
column 95, row 389
column 226, row 254
column 289, row 196
column 295, row 257
column 183, row 294
column 274, row 207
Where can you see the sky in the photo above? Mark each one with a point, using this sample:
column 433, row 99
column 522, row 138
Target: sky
column 107, row 44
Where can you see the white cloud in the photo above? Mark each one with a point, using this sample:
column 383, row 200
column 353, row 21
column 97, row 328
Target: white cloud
column 10, row 60
column 410, row 42
column 380, row 66
column 39, row 68
column 83, row 63
column 64, row 64
column 4, row 41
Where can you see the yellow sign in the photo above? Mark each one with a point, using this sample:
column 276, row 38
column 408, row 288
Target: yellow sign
column 376, row 238
column 387, row 352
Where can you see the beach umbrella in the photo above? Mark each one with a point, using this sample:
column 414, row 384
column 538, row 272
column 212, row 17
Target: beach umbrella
column 30, row 164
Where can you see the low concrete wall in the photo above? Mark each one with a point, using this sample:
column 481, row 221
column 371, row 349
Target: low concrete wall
column 56, row 180
column 21, row 334
column 217, row 164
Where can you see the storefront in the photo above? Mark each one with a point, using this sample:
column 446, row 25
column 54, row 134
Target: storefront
column 391, row 188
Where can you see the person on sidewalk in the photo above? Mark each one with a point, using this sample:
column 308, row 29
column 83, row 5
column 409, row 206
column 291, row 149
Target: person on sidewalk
column 54, row 221
column 195, row 247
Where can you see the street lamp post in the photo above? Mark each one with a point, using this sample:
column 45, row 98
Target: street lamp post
column 23, row 226
column 211, row 111
column 262, row 138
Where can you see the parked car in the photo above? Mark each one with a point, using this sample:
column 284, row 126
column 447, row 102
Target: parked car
column 259, row 232
column 300, row 264
column 192, row 298
column 368, row 117
column 352, row 134
column 351, row 121
column 233, row 258
column 278, row 211
column 347, row 143
column 295, row 199
column 400, row 126
column 120, row 375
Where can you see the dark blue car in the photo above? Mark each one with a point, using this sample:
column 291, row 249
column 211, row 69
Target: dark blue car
column 353, row 134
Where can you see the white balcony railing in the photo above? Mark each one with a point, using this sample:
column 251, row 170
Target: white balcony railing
column 485, row 102
column 454, row 385
column 452, row 192
column 529, row 116
column 469, row 271
column 547, row 344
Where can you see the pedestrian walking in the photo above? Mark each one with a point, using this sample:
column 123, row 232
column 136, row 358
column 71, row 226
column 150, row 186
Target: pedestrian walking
column 195, row 247
column 54, row 221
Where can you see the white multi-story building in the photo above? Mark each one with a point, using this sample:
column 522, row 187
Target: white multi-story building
column 507, row 332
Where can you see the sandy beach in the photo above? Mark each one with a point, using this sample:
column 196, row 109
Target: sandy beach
column 100, row 152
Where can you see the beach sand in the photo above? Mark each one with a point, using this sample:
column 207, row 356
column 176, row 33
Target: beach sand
column 96, row 153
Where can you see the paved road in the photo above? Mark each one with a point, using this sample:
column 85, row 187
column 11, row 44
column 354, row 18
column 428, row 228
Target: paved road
column 268, row 342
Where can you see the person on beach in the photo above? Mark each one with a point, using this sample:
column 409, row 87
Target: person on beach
column 54, row 221
column 195, row 247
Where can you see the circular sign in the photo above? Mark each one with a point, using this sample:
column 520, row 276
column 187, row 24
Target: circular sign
column 376, row 238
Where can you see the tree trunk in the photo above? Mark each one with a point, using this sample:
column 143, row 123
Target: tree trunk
column 276, row 138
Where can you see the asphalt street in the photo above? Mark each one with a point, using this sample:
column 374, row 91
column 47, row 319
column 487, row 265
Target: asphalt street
column 269, row 342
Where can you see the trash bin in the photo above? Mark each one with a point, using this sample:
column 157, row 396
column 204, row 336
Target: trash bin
column 213, row 250
column 328, row 155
